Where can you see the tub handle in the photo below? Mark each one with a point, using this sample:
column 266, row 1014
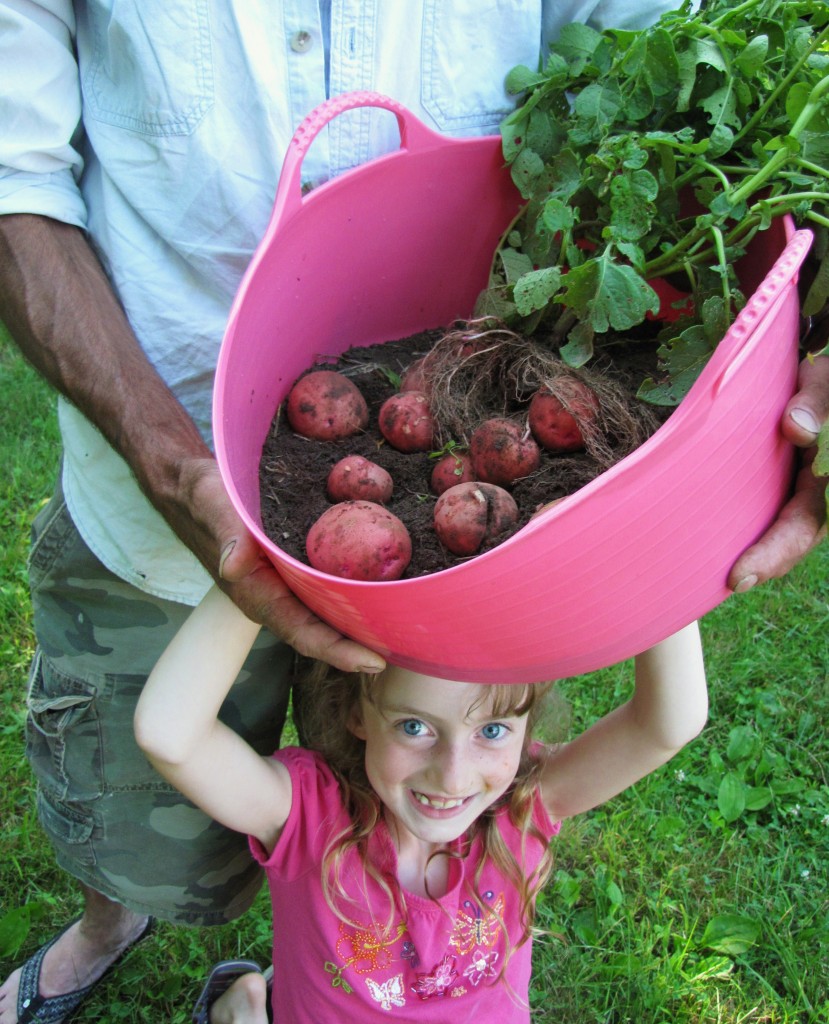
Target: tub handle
column 762, row 303
column 414, row 135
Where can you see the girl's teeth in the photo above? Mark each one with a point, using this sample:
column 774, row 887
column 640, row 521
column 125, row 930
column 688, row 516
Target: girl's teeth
column 442, row 805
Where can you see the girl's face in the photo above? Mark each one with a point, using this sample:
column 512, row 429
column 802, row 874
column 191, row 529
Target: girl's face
column 435, row 754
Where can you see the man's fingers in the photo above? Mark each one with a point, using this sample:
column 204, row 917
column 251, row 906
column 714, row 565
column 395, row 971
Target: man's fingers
column 800, row 526
column 231, row 553
column 265, row 597
column 809, row 408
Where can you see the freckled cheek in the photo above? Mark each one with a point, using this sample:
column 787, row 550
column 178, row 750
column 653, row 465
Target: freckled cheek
column 508, row 769
column 390, row 765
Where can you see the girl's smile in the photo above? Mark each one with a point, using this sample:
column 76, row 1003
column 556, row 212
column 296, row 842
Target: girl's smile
column 437, row 804
column 436, row 756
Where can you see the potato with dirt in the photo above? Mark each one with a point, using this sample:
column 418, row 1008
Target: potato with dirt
column 469, row 515
column 405, row 421
column 414, row 377
column 458, row 345
column 325, row 405
column 450, row 469
column 355, row 478
column 503, row 451
column 558, row 421
column 359, row 540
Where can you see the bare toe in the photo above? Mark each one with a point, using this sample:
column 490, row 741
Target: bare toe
column 245, row 1002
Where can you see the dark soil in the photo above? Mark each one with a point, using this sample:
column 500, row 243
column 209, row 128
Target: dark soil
column 293, row 469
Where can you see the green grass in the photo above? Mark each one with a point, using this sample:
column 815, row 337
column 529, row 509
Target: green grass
column 698, row 897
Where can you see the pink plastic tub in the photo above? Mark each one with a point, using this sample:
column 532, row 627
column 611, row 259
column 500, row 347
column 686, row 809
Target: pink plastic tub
column 404, row 243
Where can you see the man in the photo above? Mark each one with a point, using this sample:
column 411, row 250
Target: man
column 140, row 150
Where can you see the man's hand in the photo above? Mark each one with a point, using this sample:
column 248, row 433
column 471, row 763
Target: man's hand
column 213, row 530
column 801, row 524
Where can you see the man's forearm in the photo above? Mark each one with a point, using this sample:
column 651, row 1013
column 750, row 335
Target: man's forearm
column 59, row 307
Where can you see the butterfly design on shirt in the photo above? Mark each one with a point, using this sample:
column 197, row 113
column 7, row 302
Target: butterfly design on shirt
column 482, row 966
column 390, row 993
column 439, row 981
column 481, row 926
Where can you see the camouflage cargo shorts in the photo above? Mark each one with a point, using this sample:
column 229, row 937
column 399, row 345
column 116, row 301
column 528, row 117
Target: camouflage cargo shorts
column 115, row 824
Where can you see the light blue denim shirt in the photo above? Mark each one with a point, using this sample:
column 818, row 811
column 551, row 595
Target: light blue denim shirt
column 159, row 127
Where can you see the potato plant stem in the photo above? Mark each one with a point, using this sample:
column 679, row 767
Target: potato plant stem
column 782, row 86
column 756, row 181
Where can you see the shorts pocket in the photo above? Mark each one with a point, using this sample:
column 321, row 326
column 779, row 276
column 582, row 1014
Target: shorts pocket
column 63, row 735
column 149, row 67
column 468, row 48
column 69, row 830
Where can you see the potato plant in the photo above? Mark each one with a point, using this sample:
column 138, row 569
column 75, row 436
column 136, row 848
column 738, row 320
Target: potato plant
column 660, row 154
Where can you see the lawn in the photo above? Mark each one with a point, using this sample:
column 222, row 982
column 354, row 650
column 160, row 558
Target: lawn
column 699, row 896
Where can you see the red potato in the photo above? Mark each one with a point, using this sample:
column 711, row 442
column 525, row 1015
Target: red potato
column 359, row 540
column 355, row 478
column 502, row 452
column 326, row 406
column 470, row 345
column 468, row 515
column 405, row 421
column 546, row 508
column 451, row 469
column 414, row 376
column 557, row 428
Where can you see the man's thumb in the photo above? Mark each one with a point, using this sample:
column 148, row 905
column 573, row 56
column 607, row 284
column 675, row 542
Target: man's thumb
column 240, row 556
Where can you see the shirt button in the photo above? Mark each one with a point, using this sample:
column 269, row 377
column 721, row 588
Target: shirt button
column 301, row 42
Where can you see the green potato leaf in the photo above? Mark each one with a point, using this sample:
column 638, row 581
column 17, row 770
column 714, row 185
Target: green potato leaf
column 609, row 294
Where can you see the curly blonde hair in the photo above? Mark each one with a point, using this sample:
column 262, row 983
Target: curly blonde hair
column 326, row 700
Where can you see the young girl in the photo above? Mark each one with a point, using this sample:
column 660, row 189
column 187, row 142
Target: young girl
column 405, row 848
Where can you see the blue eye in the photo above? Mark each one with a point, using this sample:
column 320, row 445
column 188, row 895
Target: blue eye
column 412, row 727
column 493, row 731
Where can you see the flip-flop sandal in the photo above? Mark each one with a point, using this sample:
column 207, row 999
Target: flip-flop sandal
column 218, row 982
column 268, row 975
column 33, row 1008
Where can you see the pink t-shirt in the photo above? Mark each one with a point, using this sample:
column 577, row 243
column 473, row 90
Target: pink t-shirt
column 438, row 965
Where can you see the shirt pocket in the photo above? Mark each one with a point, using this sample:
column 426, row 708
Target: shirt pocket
column 147, row 64
column 468, row 49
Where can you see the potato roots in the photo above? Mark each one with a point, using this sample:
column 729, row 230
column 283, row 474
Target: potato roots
column 480, row 370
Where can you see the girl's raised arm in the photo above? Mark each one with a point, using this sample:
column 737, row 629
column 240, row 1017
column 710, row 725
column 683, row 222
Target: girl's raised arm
column 668, row 709
column 177, row 725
